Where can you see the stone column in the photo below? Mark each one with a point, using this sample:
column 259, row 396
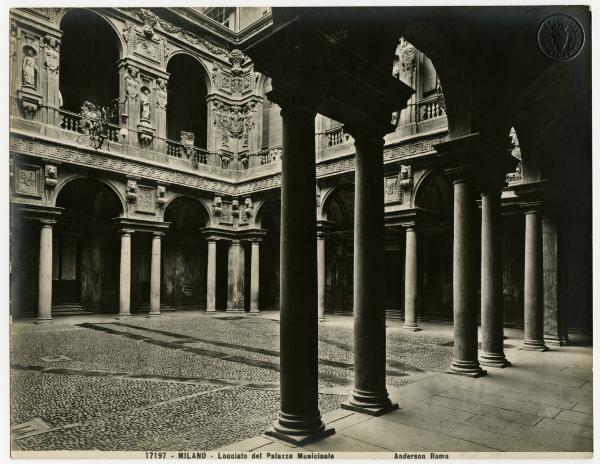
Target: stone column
column 411, row 280
column 125, row 274
column 464, row 285
column 155, row 275
column 369, row 394
column 211, row 275
column 45, row 273
column 235, row 278
column 533, row 288
column 492, row 317
column 321, row 276
column 555, row 327
column 254, row 275
column 299, row 416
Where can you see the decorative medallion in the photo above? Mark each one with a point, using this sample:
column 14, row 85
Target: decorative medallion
column 561, row 37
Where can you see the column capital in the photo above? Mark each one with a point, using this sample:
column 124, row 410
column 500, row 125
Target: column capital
column 477, row 160
column 531, row 195
column 140, row 225
column 324, row 227
column 157, row 233
column 47, row 222
column 125, row 231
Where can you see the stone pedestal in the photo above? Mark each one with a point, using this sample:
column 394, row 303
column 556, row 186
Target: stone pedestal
column 45, row 273
column 370, row 394
column 235, row 278
column 254, row 276
column 155, row 275
column 492, row 318
column 411, row 280
column 125, row 274
column 211, row 275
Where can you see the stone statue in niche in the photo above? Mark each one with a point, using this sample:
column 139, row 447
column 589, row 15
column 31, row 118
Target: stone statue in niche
column 29, row 69
column 145, row 104
column 51, row 56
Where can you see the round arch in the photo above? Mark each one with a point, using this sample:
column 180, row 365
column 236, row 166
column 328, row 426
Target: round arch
column 181, row 197
column 264, row 206
column 122, row 44
column 343, row 196
column 210, row 85
column 434, row 192
column 62, row 184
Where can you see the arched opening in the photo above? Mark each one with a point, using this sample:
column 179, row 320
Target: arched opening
column 435, row 248
column 271, row 120
column 183, row 279
column 339, row 251
column 186, row 100
column 85, row 257
column 89, row 53
column 270, row 219
column 426, row 109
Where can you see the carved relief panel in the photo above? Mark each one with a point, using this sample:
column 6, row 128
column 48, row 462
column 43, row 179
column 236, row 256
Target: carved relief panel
column 26, row 180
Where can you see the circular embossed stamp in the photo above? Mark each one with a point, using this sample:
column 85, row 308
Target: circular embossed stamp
column 561, row 37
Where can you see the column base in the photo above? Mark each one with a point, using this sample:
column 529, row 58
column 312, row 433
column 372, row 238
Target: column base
column 534, row 345
column 153, row 314
column 466, row 368
column 123, row 316
column 212, row 310
column 371, row 411
column 235, row 311
column 254, row 311
column 43, row 320
column 494, row 360
column 300, row 440
column 373, row 404
column 412, row 327
column 556, row 341
column 322, row 319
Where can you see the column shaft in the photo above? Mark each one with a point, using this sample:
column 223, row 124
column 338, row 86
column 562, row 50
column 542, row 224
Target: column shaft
column 321, row 277
column 235, row 278
column 254, row 276
column 370, row 394
column 155, row 277
column 45, row 274
column 211, row 276
column 464, row 285
column 533, row 297
column 299, row 413
column 125, row 275
column 555, row 330
column 492, row 317
column 410, row 281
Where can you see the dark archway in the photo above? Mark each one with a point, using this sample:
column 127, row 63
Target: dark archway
column 85, row 267
column 186, row 97
column 270, row 220
column 184, row 256
column 89, row 53
column 434, row 194
column 339, row 250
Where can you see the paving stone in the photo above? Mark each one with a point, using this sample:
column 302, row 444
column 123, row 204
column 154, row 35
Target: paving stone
column 547, row 438
column 485, row 410
column 566, row 427
column 399, row 437
column 249, row 444
column 501, row 402
column 428, row 410
column 342, row 442
column 584, row 406
column 576, row 418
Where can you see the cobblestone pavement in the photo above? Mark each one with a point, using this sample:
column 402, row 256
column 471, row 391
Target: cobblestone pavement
column 180, row 381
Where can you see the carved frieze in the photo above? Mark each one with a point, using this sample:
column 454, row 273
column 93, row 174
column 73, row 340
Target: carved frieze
column 235, row 121
column 146, row 199
column 51, row 175
column 27, row 180
column 51, row 54
column 132, row 190
column 161, row 196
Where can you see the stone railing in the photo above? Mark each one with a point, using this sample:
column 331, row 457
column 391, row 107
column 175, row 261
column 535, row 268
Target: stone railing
column 74, row 122
column 337, row 136
column 430, row 108
column 179, row 150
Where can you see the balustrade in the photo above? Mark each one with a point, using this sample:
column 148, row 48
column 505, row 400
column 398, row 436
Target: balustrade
column 337, row 136
column 430, row 109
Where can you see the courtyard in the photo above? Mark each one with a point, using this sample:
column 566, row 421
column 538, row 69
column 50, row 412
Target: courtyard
column 192, row 381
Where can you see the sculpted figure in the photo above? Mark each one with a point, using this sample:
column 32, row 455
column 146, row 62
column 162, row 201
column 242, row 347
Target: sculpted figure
column 29, row 69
